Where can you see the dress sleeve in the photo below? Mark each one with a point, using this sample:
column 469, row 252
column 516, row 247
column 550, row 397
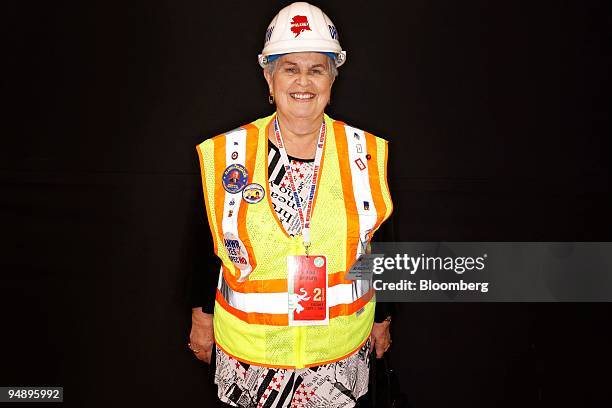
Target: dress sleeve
column 205, row 265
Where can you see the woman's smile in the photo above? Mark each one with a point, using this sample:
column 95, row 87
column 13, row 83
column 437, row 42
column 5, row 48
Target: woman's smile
column 302, row 96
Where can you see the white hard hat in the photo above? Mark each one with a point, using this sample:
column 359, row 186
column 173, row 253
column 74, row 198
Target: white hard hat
column 301, row 27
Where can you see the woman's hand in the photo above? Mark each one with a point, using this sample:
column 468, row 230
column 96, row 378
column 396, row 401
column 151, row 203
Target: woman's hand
column 380, row 337
column 201, row 338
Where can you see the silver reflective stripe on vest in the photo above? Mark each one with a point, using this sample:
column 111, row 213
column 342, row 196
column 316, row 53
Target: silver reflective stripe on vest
column 235, row 144
column 358, row 150
column 235, row 153
column 278, row 303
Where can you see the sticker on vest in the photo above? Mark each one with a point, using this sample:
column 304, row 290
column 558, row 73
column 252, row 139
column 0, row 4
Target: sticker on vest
column 360, row 164
column 253, row 193
column 235, row 178
column 238, row 254
column 307, row 285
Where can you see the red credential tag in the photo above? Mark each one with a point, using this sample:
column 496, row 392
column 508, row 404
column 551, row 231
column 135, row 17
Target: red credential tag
column 307, row 279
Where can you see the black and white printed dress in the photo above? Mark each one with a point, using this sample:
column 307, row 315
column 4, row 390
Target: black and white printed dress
column 333, row 385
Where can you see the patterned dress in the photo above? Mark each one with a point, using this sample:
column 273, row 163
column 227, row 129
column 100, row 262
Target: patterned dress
column 333, row 385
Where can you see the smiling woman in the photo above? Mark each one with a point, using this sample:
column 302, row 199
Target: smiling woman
column 300, row 84
column 292, row 200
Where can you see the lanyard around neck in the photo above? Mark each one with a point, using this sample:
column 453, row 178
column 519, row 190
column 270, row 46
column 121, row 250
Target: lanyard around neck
column 304, row 214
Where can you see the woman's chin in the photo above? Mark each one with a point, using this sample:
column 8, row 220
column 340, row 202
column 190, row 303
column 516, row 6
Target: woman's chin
column 301, row 111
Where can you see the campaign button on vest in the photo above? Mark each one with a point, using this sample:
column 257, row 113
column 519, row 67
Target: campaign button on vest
column 236, row 251
column 234, row 178
column 253, row 193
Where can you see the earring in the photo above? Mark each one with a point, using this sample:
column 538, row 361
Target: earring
column 271, row 99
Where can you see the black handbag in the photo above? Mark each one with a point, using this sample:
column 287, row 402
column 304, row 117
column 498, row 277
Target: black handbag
column 384, row 387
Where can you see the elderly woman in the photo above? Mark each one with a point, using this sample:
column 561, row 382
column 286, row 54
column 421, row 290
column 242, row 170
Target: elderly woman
column 292, row 200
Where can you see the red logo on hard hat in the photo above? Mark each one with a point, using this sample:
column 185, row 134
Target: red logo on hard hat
column 299, row 24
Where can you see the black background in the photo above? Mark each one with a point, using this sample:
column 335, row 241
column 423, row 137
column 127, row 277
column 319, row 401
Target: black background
column 498, row 117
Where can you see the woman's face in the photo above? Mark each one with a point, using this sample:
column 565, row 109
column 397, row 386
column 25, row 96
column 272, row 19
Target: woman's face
column 301, row 84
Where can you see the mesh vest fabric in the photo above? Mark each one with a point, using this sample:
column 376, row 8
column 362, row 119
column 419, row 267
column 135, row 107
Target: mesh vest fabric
column 265, row 339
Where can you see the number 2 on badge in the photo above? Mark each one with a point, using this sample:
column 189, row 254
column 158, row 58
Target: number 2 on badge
column 307, row 287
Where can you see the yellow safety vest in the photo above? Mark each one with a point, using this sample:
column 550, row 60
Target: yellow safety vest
column 351, row 202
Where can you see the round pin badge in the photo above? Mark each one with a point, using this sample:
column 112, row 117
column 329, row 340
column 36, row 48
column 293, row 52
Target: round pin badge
column 234, row 178
column 253, row 193
column 318, row 262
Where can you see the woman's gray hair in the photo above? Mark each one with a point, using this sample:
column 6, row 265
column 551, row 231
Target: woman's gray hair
column 331, row 67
